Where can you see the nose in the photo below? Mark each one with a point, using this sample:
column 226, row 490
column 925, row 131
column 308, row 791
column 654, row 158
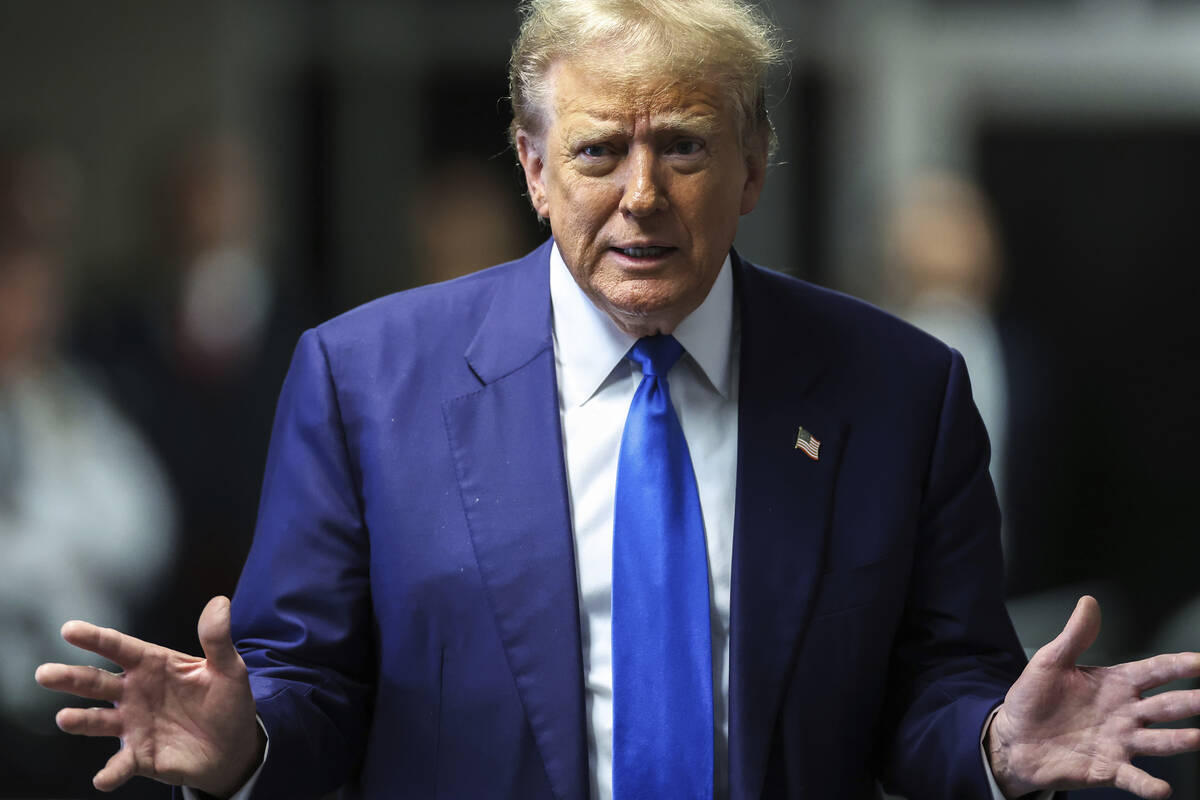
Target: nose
column 644, row 195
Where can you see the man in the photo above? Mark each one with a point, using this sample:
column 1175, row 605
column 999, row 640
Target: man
column 476, row 509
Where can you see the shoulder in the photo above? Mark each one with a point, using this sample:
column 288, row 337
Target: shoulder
column 434, row 319
column 422, row 310
column 845, row 329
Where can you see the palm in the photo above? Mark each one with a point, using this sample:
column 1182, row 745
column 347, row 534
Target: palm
column 1047, row 698
column 1063, row 726
column 182, row 720
column 174, row 709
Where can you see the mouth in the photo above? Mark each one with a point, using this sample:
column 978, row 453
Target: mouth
column 644, row 254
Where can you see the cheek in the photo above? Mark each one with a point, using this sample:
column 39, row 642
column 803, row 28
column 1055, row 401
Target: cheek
column 583, row 208
column 713, row 211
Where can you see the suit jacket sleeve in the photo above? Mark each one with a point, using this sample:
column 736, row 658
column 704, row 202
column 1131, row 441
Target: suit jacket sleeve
column 955, row 653
column 302, row 609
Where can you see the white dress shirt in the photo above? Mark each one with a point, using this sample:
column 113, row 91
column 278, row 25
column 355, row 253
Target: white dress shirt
column 596, row 384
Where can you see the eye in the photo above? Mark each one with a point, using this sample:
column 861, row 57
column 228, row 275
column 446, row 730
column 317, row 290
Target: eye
column 595, row 151
column 686, row 147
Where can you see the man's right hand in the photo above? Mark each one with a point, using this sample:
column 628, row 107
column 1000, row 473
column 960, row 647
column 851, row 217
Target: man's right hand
column 182, row 720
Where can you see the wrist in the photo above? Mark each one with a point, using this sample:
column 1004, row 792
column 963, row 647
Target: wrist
column 242, row 768
column 1002, row 756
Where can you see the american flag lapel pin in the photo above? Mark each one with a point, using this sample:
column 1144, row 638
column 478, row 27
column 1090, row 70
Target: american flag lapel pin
column 809, row 444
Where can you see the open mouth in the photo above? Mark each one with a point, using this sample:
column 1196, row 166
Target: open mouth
column 644, row 252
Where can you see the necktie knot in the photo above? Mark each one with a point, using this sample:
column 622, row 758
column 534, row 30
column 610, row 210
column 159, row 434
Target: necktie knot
column 657, row 354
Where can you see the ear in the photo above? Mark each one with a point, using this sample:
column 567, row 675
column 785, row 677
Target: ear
column 532, row 161
column 756, row 174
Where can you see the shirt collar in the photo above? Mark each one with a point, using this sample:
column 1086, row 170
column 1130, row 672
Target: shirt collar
column 589, row 345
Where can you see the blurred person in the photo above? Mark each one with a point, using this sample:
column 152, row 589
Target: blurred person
column 945, row 267
column 213, row 243
column 85, row 515
column 944, row 263
column 196, row 351
column 516, row 542
column 86, row 520
column 461, row 194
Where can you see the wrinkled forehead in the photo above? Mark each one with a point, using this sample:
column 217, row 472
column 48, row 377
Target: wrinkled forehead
column 586, row 89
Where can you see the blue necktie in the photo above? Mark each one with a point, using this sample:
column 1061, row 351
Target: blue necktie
column 661, row 640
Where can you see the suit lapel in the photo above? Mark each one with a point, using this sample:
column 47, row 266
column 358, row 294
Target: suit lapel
column 784, row 500
column 506, row 443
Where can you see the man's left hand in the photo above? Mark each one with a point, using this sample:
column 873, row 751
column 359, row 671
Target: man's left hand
column 1064, row 726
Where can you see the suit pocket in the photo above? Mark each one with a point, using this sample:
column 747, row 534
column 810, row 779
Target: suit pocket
column 844, row 590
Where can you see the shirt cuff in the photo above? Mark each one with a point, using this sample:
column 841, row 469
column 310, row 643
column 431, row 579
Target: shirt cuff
column 248, row 787
column 987, row 766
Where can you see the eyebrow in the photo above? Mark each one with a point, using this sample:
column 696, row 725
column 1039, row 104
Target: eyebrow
column 595, row 128
column 604, row 127
column 705, row 124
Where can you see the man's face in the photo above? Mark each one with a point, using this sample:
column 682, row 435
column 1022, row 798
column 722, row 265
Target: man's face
column 643, row 189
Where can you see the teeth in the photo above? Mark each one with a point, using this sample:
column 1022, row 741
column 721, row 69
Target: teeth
column 643, row 252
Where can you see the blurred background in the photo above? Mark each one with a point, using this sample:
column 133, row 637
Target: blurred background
column 186, row 186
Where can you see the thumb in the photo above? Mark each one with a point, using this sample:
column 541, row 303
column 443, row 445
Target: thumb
column 1079, row 633
column 215, row 638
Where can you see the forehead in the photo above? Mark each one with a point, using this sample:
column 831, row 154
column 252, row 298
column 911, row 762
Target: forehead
column 581, row 94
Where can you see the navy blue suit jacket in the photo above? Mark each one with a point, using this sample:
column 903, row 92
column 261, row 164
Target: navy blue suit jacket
column 409, row 608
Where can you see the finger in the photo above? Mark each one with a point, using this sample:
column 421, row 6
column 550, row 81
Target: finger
column 90, row 682
column 1132, row 779
column 215, row 636
column 89, row 721
column 120, row 648
column 1169, row 706
column 120, row 768
column 1165, row 741
column 1079, row 633
column 1157, row 670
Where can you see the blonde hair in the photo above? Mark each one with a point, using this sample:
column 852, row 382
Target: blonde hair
column 729, row 42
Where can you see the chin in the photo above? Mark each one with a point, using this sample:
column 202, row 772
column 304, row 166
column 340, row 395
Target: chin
column 640, row 316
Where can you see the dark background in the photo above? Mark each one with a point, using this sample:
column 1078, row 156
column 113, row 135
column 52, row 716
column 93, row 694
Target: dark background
column 1079, row 122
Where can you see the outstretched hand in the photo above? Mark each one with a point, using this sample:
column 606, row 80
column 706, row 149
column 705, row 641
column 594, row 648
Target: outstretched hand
column 1064, row 726
column 181, row 720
